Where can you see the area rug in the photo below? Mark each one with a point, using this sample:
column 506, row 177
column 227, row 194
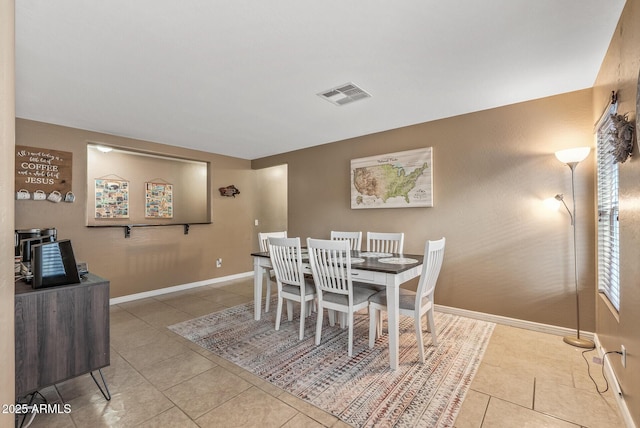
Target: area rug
column 361, row 390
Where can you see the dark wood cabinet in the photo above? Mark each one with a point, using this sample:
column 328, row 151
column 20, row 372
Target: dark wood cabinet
column 61, row 332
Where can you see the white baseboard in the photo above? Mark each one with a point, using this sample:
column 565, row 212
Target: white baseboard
column 166, row 290
column 615, row 385
column 513, row 322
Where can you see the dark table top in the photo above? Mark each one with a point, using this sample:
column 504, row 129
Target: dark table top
column 366, row 260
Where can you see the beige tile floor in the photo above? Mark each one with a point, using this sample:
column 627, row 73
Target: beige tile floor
column 159, row 379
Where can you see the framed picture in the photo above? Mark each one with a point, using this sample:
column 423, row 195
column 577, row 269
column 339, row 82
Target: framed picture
column 393, row 180
column 112, row 198
column 158, row 200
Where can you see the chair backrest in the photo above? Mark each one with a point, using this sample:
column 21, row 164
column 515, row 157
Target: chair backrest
column 433, row 256
column 330, row 265
column 354, row 238
column 385, row 242
column 263, row 238
column 286, row 259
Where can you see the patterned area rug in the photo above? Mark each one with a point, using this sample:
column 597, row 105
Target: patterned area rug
column 361, row 390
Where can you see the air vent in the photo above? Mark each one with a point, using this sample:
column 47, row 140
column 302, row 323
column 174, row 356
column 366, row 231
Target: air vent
column 344, row 94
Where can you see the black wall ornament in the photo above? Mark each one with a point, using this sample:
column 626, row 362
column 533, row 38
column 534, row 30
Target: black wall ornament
column 229, row 191
column 622, row 137
column 638, row 107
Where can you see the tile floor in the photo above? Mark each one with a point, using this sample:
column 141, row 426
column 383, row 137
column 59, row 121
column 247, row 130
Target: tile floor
column 159, row 379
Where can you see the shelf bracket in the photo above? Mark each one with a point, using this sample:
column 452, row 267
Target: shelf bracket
column 127, row 231
column 186, row 229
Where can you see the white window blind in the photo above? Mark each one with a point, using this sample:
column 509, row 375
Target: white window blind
column 608, row 232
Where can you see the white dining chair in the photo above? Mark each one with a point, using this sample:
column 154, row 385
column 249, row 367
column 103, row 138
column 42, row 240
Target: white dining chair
column 354, row 238
column 381, row 242
column 293, row 286
column 331, row 268
column 413, row 303
column 263, row 240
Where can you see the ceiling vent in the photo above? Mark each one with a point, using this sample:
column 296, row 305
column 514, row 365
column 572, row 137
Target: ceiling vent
column 344, row 94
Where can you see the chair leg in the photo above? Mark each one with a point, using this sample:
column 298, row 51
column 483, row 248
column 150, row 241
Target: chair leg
column 418, row 326
column 373, row 322
column 278, row 313
column 332, row 316
column 268, row 296
column 289, row 310
column 349, row 317
column 344, row 319
column 319, row 324
column 432, row 327
column 303, row 306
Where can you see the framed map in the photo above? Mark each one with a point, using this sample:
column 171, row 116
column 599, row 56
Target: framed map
column 158, row 200
column 394, row 180
column 112, row 198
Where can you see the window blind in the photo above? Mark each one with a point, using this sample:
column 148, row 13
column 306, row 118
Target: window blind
column 608, row 208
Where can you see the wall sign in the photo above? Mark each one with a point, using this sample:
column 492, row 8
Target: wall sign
column 43, row 169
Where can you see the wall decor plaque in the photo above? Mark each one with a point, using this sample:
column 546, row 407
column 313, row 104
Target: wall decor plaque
column 112, row 198
column 638, row 109
column 158, row 200
column 43, row 169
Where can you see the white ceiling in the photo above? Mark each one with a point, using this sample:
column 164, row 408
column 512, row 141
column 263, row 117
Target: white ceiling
column 240, row 77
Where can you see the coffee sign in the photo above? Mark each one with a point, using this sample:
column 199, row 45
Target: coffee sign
column 43, row 169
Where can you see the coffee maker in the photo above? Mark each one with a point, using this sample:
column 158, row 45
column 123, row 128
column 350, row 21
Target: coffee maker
column 23, row 239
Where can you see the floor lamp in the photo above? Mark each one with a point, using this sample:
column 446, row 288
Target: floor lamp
column 572, row 157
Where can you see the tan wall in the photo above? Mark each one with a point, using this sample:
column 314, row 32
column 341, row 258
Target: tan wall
column 271, row 199
column 507, row 254
column 619, row 72
column 154, row 257
column 7, row 152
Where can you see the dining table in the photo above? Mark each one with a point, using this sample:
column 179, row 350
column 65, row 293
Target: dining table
column 382, row 269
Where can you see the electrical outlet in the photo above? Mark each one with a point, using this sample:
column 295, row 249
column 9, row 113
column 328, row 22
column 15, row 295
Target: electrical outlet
column 219, row 263
column 623, row 356
column 256, row 222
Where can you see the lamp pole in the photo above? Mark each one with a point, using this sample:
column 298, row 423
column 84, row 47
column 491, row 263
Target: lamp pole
column 577, row 340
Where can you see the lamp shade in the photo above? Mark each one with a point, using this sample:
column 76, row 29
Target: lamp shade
column 552, row 203
column 573, row 155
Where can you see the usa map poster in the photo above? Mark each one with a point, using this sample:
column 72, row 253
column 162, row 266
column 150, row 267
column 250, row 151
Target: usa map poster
column 394, row 180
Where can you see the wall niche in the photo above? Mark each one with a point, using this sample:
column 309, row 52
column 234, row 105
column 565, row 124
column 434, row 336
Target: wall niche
column 130, row 187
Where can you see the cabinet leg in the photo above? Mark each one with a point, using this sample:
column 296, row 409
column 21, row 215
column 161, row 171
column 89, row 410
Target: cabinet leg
column 105, row 392
column 33, row 414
